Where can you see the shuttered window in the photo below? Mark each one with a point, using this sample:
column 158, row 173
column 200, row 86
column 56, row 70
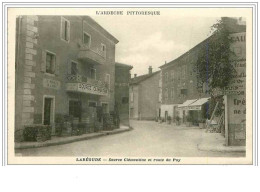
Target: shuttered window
column 107, row 80
column 50, row 63
column 86, row 39
column 65, row 29
column 74, row 68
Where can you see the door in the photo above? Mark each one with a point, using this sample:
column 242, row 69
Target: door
column 75, row 109
column 105, row 107
column 166, row 115
column 47, row 111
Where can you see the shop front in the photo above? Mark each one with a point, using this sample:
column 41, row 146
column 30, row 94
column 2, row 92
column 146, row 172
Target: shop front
column 199, row 110
column 183, row 110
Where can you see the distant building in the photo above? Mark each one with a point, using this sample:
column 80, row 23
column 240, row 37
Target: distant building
column 180, row 93
column 179, row 86
column 144, row 96
column 64, row 65
column 122, row 80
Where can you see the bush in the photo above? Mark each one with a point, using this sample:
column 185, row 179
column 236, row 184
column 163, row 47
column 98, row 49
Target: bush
column 59, row 124
column 37, row 132
column 177, row 118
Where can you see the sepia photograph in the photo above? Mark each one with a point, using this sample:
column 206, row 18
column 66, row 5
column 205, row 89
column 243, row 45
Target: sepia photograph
column 130, row 86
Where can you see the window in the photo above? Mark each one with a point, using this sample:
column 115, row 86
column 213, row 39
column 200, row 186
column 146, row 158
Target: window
column 93, row 73
column 172, row 75
column 103, row 49
column 166, row 94
column 107, row 80
column 172, row 92
column 125, row 100
column 132, row 97
column 75, row 108
column 50, row 63
column 65, row 29
column 166, row 77
column 86, row 39
column 92, row 104
column 74, row 68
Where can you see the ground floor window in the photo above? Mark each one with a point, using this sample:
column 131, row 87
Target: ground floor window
column 75, row 108
column 92, row 104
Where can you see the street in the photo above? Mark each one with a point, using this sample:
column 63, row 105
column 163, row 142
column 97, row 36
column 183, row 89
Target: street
column 147, row 139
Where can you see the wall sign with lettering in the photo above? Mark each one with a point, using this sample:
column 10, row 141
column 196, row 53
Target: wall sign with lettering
column 52, row 84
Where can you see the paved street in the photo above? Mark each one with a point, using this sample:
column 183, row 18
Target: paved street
column 147, row 139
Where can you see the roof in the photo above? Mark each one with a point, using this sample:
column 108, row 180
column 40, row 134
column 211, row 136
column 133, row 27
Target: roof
column 184, row 54
column 124, row 65
column 232, row 26
column 141, row 78
column 104, row 31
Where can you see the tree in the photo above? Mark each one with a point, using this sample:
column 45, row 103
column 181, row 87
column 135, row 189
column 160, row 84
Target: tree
column 213, row 65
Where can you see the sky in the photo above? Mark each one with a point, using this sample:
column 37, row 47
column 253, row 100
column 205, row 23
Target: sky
column 153, row 40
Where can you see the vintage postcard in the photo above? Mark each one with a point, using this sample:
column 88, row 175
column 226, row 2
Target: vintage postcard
column 162, row 85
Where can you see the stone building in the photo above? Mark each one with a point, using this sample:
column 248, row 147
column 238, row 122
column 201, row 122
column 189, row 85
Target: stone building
column 144, row 96
column 64, row 65
column 179, row 86
column 122, row 79
column 180, row 93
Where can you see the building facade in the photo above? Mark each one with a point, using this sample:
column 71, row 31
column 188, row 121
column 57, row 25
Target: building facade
column 144, row 96
column 178, row 84
column 181, row 93
column 122, row 79
column 64, row 65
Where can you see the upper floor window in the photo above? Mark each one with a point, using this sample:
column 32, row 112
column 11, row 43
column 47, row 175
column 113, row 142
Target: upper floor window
column 86, row 39
column 166, row 94
column 166, row 77
column 132, row 96
column 172, row 92
column 107, row 80
column 103, row 49
column 172, row 75
column 65, row 29
column 93, row 73
column 74, row 68
column 50, row 63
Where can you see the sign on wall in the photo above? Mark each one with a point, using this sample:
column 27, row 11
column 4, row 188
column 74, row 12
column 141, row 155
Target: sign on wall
column 87, row 88
column 52, row 84
column 236, row 92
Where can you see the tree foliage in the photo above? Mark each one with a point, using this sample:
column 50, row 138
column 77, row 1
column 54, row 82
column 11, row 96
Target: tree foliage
column 213, row 64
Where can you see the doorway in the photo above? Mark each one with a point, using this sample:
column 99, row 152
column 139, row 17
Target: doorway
column 105, row 108
column 75, row 109
column 166, row 115
column 48, row 112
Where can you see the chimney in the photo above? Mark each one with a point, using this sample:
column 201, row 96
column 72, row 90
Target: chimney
column 135, row 75
column 150, row 70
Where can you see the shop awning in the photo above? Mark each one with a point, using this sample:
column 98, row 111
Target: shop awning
column 197, row 104
column 186, row 104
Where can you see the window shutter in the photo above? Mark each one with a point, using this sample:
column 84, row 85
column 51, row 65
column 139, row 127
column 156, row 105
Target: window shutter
column 68, row 32
column 57, row 65
column 43, row 62
column 69, row 66
column 62, row 28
